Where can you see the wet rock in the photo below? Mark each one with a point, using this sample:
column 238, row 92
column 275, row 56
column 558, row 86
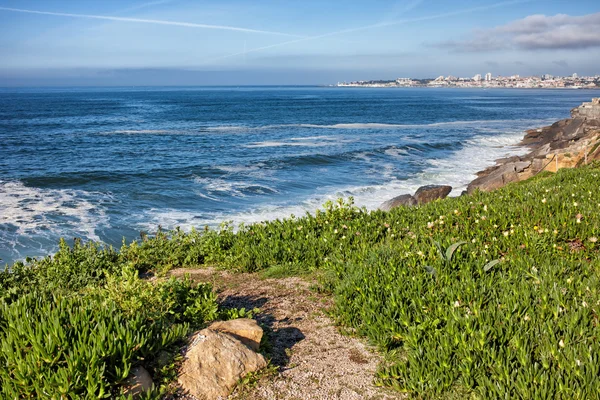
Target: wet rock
column 214, row 363
column 429, row 193
column 404, row 200
column 246, row 330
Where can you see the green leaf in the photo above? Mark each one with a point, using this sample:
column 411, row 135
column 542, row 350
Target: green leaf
column 489, row 265
column 450, row 250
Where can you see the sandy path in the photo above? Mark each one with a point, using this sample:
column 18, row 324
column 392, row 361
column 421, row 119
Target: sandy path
column 314, row 360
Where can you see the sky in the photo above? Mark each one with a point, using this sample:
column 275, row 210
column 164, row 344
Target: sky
column 293, row 42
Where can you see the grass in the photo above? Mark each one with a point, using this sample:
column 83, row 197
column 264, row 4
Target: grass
column 511, row 312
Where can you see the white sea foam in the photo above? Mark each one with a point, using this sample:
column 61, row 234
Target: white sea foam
column 287, row 144
column 33, row 214
column 396, row 152
column 457, row 170
column 211, row 188
column 366, row 125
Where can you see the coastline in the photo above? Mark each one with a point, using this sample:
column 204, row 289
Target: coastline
column 567, row 143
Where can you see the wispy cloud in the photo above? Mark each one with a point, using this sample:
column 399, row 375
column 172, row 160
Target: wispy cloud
column 377, row 25
column 149, row 21
column 535, row 32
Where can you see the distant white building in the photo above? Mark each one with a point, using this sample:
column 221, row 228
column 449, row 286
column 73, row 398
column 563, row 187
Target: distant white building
column 488, row 76
column 477, row 78
column 575, row 76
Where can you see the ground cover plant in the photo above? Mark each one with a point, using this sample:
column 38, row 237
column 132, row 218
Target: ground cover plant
column 491, row 295
column 74, row 325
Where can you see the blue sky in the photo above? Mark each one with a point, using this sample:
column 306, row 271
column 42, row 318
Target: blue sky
column 164, row 42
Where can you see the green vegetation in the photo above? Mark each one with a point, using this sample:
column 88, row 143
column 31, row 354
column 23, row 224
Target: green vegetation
column 492, row 295
column 74, row 325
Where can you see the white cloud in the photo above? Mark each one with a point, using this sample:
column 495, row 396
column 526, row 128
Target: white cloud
column 535, row 32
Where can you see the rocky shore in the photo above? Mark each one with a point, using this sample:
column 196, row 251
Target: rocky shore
column 565, row 144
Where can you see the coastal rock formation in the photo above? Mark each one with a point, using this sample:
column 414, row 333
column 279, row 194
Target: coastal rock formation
column 429, row 193
column 565, row 144
column 246, row 330
column 402, row 200
column 214, row 363
column 587, row 110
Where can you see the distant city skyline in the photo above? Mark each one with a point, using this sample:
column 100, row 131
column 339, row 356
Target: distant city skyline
column 235, row 42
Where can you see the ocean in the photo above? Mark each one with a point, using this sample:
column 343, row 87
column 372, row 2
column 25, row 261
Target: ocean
column 108, row 163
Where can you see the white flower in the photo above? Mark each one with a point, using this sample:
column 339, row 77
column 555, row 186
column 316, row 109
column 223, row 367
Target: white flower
column 335, row 231
column 344, row 237
column 456, row 304
column 473, row 241
column 544, row 200
column 485, row 208
column 526, row 317
column 578, row 363
column 505, row 233
column 575, row 204
column 593, row 239
column 430, row 225
column 420, row 253
column 561, row 343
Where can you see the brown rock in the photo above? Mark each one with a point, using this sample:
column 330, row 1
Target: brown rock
column 245, row 330
column 402, row 200
column 214, row 362
column 138, row 382
column 429, row 193
column 499, row 176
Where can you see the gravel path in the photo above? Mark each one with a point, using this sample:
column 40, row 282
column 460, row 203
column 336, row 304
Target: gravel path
column 314, row 360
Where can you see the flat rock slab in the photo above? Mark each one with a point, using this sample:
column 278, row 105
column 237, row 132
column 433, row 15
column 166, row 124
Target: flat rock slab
column 214, row 363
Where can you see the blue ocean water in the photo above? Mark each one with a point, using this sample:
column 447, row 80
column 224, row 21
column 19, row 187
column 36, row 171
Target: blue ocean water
column 107, row 163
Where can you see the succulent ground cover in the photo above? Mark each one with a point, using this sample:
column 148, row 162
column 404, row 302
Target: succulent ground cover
column 491, row 295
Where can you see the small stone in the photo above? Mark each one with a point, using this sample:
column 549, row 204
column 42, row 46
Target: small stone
column 138, row 382
column 245, row 330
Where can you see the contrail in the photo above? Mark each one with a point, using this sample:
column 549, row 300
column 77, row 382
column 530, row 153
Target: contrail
column 377, row 25
column 149, row 21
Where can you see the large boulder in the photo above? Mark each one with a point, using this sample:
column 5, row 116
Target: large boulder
column 246, row 330
column 429, row 193
column 402, row 200
column 214, row 363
